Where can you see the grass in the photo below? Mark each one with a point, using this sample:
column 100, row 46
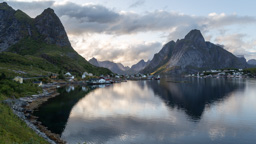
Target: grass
column 22, row 17
column 250, row 70
column 12, row 129
column 54, row 57
column 14, row 89
column 30, row 64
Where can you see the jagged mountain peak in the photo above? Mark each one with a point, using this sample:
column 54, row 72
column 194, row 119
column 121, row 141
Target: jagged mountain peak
column 51, row 28
column 142, row 61
column 194, row 34
column 49, row 10
column 192, row 54
column 48, row 13
column 196, row 37
column 5, row 6
column 94, row 59
column 94, row 62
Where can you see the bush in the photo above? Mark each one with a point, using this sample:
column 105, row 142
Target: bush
column 12, row 88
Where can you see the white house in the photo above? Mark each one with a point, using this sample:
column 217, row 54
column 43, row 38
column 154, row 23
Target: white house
column 84, row 75
column 68, row 74
column 102, row 81
column 90, row 74
column 18, row 79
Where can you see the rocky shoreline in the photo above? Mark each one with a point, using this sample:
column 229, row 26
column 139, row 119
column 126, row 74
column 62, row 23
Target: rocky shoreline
column 24, row 107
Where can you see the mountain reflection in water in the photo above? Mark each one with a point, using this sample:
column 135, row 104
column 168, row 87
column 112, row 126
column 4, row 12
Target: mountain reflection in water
column 197, row 111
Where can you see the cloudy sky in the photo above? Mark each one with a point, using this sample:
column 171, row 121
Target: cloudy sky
column 128, row 31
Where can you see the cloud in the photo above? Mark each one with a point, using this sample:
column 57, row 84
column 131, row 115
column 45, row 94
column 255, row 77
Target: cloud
column 88, row 13
column 108, row 48
column 137, row 3
column 96, row 19
column 236, row 44
column 99, row 19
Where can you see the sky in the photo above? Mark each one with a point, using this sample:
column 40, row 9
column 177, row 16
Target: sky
column 128, row 31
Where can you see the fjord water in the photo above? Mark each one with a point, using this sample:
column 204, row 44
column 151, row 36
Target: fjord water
column 167, row 111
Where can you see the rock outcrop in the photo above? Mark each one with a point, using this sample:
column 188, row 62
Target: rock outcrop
column 50, row 28
column 16, row 25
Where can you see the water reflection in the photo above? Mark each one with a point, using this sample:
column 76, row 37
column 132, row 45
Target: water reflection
column 197, row 111
column 192, row 95
column 70, row 88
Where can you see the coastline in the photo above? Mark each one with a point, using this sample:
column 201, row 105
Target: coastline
column 24, row 107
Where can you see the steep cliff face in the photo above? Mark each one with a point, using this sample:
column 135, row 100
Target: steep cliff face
column 43, row 37
column 13, row 26
column 160, row 58
column 192, row 54
column 16, row 25
column 51, row 29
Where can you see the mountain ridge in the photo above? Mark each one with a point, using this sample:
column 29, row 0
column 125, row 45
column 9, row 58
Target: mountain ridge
column 118, row 67
column 192, row 54
column 44, row 37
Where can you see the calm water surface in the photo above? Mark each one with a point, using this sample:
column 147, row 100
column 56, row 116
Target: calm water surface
column 136, row 112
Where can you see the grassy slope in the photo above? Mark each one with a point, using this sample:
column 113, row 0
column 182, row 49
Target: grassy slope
column 251, row 70
column 64, row 58
column 12, row 129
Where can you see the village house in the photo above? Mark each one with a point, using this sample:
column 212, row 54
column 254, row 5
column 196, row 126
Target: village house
column 18, row 79
column 69, row 76
column 102, row 80
column 84, row 75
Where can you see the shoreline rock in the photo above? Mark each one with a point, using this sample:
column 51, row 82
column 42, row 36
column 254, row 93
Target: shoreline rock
column 24, row 107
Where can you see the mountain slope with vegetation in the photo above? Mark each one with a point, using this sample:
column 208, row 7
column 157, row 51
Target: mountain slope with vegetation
column 43, row 38
column 32, row 47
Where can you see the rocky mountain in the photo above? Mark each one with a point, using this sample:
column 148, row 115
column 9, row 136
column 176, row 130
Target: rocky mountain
column 252, row 62
column 140, row 65
column 43, row 37
column 94, row 62
column 114, row 67
column 118, row 67
column 192, row 54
